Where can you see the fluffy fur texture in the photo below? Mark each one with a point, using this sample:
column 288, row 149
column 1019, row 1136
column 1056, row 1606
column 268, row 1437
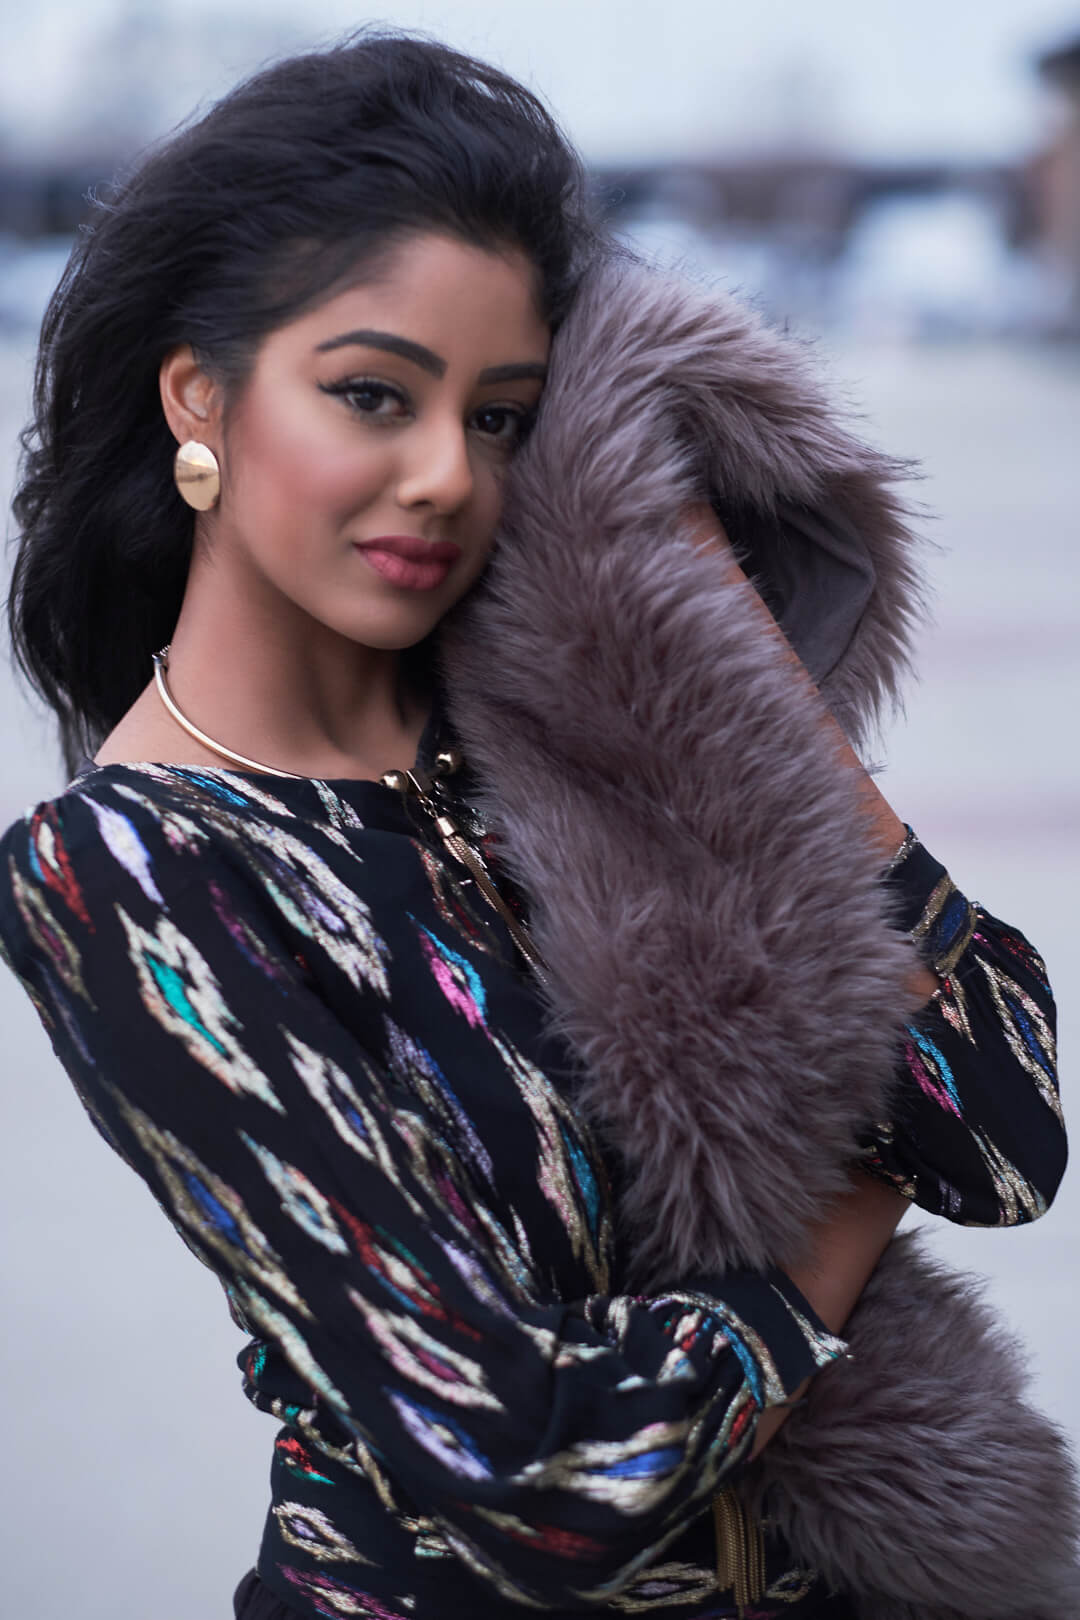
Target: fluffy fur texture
column 703, row 891
column 961, row 1487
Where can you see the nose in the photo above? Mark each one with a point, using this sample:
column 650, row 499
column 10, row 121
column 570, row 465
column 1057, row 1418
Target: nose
column 438, row 471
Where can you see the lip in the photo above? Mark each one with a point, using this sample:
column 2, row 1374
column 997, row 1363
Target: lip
column 415, row 565
column 413, row 549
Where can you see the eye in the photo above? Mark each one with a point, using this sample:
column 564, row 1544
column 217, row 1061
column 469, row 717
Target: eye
column 507, row 425
column 369, row 397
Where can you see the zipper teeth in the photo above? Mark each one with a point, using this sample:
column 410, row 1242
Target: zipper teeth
column 730, row 1559
column 468, row 857
column 459, row 846
column 740, row 1551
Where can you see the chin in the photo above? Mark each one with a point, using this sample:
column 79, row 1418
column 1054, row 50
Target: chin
column 397, row 635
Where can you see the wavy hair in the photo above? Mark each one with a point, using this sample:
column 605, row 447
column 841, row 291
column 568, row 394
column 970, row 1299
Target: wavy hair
column 301, row 176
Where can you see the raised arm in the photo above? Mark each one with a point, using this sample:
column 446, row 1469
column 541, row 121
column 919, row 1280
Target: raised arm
column 978, row 1136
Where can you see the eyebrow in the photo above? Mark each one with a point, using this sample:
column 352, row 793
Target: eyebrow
column 427, row 359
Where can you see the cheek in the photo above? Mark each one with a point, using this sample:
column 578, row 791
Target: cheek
column 290, row 464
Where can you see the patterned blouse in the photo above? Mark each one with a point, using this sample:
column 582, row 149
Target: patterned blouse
column 317, row 1044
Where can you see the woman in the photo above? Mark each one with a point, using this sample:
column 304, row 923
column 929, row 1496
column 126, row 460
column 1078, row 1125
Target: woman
column 282, row 392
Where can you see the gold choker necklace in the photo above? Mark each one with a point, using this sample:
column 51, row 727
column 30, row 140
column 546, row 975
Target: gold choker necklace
column 161, row 664
column 414, row 784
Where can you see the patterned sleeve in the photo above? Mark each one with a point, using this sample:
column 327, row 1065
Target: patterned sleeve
column 557, row 1442
column 977, row 1133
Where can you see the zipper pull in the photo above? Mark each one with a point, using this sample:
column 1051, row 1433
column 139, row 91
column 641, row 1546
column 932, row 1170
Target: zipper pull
column 414, row 784
column 417, row 785
column 740, row 1551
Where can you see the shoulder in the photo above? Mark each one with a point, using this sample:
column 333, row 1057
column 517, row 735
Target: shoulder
column 108, row 808
column 212, row 853
column 149, row 831
column 66, row 856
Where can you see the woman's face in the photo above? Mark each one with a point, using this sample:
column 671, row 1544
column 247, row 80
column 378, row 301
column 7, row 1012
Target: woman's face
column 391, row 410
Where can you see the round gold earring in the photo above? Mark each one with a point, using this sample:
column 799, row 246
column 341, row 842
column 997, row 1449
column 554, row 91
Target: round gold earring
column 197, row 474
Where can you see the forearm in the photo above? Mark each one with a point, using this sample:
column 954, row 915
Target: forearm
column 842, row 1255
column 884, row 826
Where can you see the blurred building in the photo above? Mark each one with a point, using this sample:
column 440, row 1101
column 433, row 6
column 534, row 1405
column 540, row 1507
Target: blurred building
column 832, row 240
column 819, row 234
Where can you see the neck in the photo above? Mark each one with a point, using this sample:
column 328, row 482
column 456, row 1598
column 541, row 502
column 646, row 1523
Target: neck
column 266, row 680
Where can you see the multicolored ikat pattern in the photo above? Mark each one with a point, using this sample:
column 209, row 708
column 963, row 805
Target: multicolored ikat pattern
column 316, row 1044
column 983, row 1061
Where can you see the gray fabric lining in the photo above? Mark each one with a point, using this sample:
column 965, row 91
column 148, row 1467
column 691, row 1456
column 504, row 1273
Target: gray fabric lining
column 817, row 575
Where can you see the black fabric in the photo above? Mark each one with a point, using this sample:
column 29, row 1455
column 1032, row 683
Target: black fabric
column 252, row 1601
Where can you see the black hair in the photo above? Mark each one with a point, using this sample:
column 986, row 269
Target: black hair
column 304, row 173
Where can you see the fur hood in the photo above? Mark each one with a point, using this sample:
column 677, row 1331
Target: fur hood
column 701, row 887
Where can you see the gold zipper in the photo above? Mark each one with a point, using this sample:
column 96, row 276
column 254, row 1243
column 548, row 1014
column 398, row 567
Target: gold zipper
column 454, row 840
column 740, row 1551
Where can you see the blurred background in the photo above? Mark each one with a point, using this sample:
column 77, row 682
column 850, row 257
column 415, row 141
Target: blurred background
column 898, row 184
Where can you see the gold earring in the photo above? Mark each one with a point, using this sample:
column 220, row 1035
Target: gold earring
column 197, row 474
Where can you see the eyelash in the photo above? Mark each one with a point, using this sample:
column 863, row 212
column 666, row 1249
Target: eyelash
column 350, row 387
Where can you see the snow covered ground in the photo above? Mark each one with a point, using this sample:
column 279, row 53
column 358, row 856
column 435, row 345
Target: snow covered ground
column 117, row 1361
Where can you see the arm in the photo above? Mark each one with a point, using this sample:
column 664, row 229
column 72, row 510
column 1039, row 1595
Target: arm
column 885, row 829
column 979, row 1135
column 561, row 1441
column 843, row 1253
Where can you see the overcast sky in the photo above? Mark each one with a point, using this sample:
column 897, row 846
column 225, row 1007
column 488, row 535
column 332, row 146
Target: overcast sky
column 629, row 78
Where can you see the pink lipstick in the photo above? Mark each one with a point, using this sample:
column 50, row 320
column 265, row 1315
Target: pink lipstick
column 414, row 564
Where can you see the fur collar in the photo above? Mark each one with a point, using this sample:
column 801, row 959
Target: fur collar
column 699, row 883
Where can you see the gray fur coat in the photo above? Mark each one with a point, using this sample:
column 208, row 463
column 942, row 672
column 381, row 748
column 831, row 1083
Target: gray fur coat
column 711, row 911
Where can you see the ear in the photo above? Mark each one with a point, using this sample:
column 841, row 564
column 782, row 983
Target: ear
column 190, row 398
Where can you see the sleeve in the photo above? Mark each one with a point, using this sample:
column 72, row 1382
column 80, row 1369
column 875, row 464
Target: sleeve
column 558, row 1443
column 977, row 1133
